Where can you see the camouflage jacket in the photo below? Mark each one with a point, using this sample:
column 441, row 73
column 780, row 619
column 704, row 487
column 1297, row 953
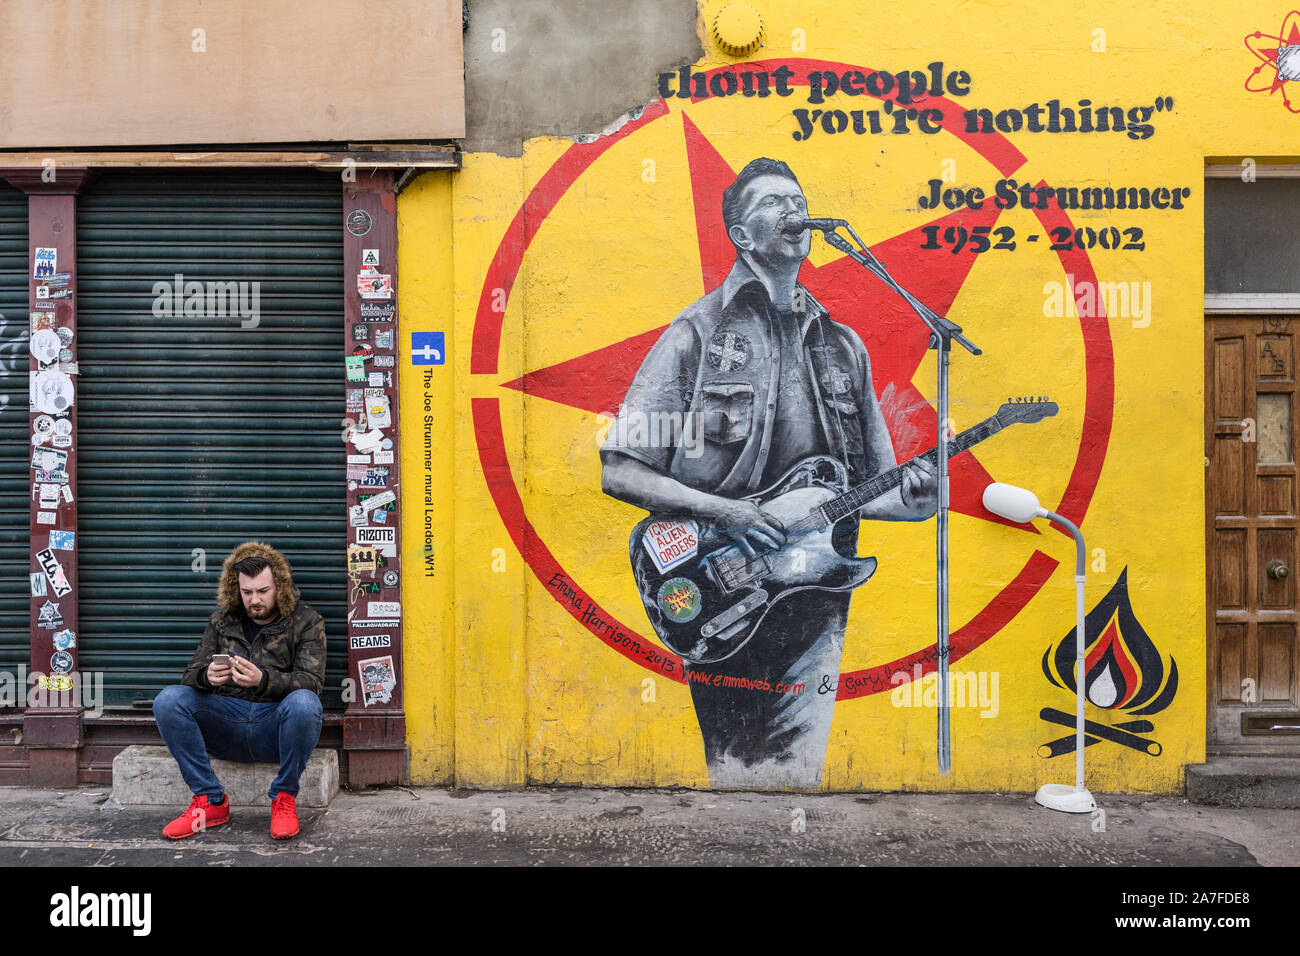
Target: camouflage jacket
column 290, row 652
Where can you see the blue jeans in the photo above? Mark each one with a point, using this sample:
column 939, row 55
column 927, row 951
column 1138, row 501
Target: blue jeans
column 195, row 725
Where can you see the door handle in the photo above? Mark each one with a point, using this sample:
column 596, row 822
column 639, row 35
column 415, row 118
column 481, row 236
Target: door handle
column 1277, row 570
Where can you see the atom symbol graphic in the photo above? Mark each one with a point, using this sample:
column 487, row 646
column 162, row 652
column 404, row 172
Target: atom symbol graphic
column 1281, row 61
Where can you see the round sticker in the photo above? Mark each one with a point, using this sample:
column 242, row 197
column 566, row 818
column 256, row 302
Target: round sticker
column 359, row 222
column 65, row 335
column 680, row 599
column 728, row 351
column 52, row 391
column 62, row 427
column 44, row 424
column 45, row 346
column 61, row 662
column 390, row 579
column 386, row 444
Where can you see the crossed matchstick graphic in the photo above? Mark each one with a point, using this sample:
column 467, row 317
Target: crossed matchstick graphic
column 1125, row 733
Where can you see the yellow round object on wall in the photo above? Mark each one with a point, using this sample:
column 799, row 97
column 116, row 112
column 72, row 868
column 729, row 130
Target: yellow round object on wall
column 738, row 29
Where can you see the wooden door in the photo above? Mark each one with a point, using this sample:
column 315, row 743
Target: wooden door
column 1250, row 500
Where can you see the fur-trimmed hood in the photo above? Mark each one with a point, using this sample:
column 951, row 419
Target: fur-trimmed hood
column 286, row 594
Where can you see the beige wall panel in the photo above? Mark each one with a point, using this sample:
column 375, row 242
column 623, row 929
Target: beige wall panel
column 128, row 72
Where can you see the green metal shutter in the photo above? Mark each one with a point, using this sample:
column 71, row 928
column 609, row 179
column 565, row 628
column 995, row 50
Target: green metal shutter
column 197, row 433
column 15, row 438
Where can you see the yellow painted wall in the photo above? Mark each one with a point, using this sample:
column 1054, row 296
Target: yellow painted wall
column 504, row 687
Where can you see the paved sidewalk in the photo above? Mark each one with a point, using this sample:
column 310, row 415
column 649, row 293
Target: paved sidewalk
column 552, row 826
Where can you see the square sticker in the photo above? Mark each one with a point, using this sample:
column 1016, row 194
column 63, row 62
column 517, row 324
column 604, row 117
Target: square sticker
column 427, row 348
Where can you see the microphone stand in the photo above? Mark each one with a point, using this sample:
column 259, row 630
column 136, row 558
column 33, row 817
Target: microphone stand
column 942, row 334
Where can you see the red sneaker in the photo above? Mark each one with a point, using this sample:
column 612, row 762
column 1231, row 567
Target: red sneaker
column 200, row 815
column 284, row 817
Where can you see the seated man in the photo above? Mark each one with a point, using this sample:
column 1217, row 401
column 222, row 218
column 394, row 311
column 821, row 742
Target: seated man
column 251, row 693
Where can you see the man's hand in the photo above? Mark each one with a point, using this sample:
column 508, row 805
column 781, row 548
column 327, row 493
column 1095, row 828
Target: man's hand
column 748, row 525
column 635, row 482
column 920, row 488
column 245, row 672
column 219, row 673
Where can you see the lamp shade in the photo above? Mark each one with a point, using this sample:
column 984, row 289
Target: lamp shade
column 1012, row 503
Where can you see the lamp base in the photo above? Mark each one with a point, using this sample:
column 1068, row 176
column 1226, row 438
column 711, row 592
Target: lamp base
column 1067, row 799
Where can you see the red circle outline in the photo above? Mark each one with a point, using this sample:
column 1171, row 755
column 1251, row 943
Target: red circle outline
column 490, row 438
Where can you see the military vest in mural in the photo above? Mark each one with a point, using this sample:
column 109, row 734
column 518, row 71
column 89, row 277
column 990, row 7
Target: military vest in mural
column 754, row 395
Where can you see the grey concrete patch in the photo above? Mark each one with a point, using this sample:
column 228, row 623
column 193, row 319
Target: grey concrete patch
column 537, row 68
column 1245, row 782
column 545, row 827
column 148, row 776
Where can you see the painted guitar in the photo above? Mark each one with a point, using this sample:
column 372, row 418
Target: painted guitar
column 706, row 598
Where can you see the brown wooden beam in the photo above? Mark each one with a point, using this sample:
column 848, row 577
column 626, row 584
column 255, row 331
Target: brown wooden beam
column 49, row 179
column 375, row 720
column 53, row 722
column 360, row 158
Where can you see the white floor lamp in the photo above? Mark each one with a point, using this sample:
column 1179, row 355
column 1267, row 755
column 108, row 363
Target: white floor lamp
column 1019, row 505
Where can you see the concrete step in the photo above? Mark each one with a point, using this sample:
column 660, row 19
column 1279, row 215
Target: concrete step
column 1270, row 782
column 148, row 776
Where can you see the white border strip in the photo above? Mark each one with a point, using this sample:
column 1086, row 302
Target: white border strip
column 1252, row 303
column 1262, row 171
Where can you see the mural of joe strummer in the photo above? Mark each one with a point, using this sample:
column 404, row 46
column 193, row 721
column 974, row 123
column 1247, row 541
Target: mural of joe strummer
column 781, row 396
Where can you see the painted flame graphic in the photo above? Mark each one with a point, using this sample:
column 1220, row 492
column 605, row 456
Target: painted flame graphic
column 1123, row 668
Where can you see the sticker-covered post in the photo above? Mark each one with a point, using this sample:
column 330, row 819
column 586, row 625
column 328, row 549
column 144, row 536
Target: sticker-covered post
column 374, row 726
column 52, row 722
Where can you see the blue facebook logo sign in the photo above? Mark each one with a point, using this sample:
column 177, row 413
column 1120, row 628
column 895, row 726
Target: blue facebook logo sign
column 427, row 348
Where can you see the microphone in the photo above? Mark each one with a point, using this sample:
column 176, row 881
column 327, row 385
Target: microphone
column 802, row 225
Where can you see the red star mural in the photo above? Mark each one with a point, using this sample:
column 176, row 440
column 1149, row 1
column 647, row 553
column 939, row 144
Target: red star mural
column 895, row 338
column 597, row 381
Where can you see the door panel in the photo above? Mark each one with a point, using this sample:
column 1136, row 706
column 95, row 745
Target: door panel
column 1250, row 495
